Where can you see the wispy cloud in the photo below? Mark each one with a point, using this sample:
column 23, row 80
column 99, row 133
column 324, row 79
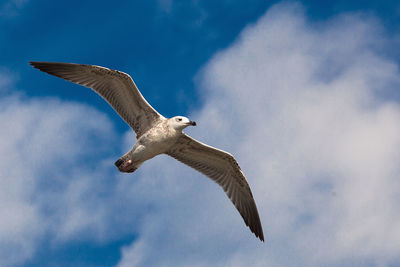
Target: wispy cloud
column 11, row 8
column 301, row 107
column 165, row 5
column 40, row 146
column 54, row 184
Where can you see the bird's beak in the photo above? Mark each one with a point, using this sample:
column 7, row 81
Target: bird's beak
column 193, row 123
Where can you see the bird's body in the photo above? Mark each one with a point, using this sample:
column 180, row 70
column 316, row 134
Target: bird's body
column 156, row 134
column 157, row 140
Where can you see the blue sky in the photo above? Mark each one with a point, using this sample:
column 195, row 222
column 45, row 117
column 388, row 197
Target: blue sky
column 316, row 81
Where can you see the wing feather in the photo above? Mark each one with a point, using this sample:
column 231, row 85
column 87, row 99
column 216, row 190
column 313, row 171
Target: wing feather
column 221, row 167
column 116, row 87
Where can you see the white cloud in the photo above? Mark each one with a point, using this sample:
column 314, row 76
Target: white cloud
column 58, row 181
column 324, row 175
column 42, row 142
column 302, row 107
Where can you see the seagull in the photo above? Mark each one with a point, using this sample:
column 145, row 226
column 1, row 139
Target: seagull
column 156, row 134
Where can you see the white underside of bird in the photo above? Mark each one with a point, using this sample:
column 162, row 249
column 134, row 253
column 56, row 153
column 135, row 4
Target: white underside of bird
column 156, row 134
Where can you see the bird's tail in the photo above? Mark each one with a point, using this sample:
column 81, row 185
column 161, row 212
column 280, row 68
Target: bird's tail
column 127, row 165
column 135, row 167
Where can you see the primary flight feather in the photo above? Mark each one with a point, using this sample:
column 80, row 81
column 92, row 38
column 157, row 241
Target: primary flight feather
column 156, row 134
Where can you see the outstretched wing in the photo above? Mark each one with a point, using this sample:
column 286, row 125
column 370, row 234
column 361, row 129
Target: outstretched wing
column 221, row 167
column 116, row 87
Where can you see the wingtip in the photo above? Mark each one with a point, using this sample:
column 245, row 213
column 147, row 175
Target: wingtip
column 39, row 63
column 261, row 237
column 34, row 64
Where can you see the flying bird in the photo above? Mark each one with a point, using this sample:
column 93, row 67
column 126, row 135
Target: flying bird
column 156, row 134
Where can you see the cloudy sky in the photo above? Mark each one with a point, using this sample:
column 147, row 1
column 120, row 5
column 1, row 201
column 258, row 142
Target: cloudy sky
column 305, row 94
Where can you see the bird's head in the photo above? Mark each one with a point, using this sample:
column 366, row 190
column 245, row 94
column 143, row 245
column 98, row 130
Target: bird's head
column 179, row 123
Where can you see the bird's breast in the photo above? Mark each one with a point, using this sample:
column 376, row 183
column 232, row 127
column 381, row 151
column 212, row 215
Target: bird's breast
column 158, row 140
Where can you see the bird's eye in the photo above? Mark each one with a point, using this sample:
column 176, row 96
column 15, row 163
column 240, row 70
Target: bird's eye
column 179, row 119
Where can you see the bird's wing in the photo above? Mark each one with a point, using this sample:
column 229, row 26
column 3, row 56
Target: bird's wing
column 221, row 167
column 116, row 87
